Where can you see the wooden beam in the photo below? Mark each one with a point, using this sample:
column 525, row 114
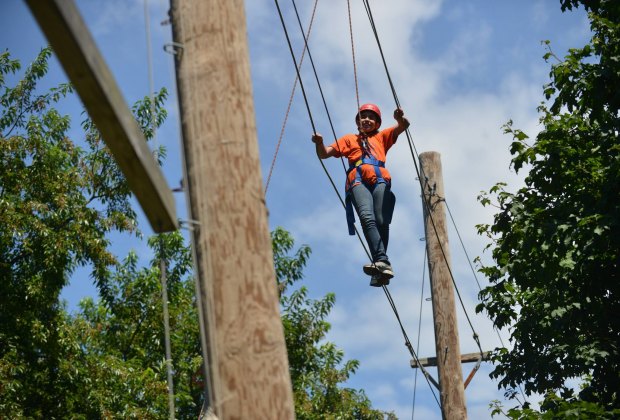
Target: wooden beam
column 465, row 358
column 78, row 54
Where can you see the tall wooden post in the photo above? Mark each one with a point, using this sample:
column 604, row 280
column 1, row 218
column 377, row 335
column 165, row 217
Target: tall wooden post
column 247, row 365
column 444, row 312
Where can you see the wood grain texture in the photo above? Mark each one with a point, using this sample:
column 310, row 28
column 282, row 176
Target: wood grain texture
column 248, row 376
column 442, row 291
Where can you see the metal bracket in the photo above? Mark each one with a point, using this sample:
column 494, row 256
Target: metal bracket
column 174, row 48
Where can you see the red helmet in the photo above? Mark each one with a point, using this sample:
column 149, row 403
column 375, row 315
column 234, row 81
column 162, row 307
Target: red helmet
column 369, row 107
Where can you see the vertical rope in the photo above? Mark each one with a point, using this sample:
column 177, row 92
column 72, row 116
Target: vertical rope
column 149, row 54
column 303, row 91
column 162, row 261
column 357, row 93
column 415, row 380
column 290, row 101
column 164, row 298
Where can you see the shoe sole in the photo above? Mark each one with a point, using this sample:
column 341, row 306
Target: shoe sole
column 373, row 270
column 379, row 283
column 378, row 280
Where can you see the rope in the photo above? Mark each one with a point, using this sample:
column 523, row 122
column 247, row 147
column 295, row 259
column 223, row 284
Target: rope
column 463, row 245
column 318, row 82
column 290, row 101
column 387, row 293
column 357, row 94
column 149, row 54
column 408, row 344
column 164, row 298
column 421, row 179
column 303, row 90
column 162, row 261
column 476, row 278
column 415, row 380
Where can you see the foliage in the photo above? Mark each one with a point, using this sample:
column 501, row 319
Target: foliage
column 556, row 241
column 118, row 353
column 314, row 363
column 58, row 203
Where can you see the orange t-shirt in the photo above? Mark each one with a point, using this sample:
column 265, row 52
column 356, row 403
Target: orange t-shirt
column 350, row 146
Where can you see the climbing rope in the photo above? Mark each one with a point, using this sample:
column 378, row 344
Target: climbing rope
column 357, row 93
column 166, row 315
column 318, row 82
column 303, row 90
column 290, row 101
column 162, row 261
column 149, row 59
column 413, row 353
column 420, row 176
column 469, row 260
column 415, row 380
column 387, row 293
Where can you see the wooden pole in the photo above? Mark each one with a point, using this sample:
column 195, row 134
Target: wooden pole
column 247, row 366
column 444, row 313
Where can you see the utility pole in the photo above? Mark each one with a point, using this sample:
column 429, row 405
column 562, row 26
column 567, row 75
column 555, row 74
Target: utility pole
column 444, row 313
column 247, row 374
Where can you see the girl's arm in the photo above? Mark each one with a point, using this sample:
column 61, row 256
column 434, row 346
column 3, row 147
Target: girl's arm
column 322, row 151
column 403, row 122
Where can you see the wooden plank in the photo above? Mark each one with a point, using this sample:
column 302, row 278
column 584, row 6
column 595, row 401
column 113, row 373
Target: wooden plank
column 465, row 358
column 79, row 56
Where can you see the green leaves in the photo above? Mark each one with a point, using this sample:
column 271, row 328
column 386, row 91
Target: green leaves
column 58, row 203
column 316, row 366
column 555, row 242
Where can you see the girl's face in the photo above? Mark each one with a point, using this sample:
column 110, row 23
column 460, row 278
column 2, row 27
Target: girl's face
column 367, row 122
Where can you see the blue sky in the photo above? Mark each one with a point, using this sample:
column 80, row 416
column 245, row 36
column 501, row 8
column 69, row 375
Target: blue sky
column 461, row 70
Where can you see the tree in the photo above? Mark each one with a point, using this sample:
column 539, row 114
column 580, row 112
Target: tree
column 114, row 353
column 58, row 203
column 556, row 241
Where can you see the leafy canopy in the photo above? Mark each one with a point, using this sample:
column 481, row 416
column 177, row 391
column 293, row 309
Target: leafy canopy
column 59, row 200
column 556, row 241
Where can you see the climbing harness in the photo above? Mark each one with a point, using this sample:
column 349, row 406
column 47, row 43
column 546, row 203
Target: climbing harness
column 366, row 159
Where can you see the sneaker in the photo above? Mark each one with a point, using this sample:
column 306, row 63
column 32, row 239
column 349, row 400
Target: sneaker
column 385, row 269
column 377, row 280
column 379, row 268
column 370, row 269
